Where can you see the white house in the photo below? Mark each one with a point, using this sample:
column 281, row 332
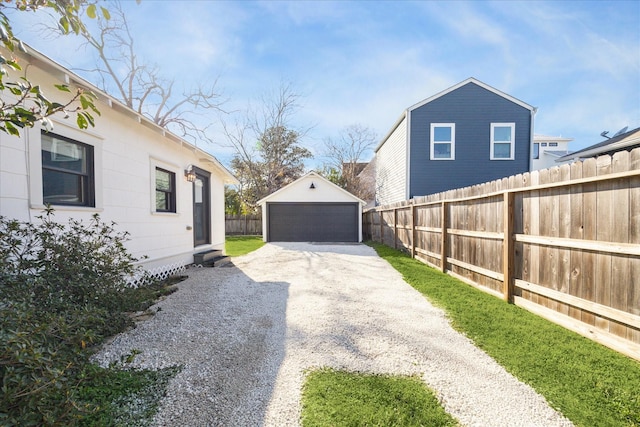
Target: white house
column 547, row 150
column 311, row 209
column 126, row 168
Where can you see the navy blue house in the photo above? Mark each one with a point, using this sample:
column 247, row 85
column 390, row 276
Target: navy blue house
column 468, row 134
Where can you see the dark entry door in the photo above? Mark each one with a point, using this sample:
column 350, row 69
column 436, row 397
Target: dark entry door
column 201, row 208
column 312, row 222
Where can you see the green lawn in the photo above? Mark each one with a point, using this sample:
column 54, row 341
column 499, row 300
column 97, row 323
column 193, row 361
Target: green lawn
column 589, row 383
column 241, row 245
column 336, row 398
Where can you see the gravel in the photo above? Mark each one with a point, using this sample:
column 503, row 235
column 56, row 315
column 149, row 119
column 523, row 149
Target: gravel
column 246, row 334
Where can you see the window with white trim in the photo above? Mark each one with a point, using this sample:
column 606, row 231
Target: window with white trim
column 165, row 190
column 67, row 171
column 443, row 141
column 503, row 137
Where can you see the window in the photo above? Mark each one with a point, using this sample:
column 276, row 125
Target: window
column 536, row 150
column 544, row 144
column 553, row 144
column 502, row 141
column 165, row 191
column 67, row 171
column 443, row 141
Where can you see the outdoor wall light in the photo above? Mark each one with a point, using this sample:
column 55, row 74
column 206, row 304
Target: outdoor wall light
column 313, row 187
column 190, row 174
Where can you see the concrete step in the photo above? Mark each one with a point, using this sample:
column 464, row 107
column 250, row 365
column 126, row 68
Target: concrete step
column 211, row 258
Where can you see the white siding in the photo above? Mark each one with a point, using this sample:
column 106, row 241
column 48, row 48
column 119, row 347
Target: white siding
column 126, row 153
column 391, row 167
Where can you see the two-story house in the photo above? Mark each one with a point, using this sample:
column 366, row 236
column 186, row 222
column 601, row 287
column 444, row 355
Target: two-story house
column 467, row 134
column 547, row 150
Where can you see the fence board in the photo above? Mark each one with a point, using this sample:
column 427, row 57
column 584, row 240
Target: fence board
column 589, row 203
column 633, row 298
column 620, row 266
column 576, row 232
column 604, row 216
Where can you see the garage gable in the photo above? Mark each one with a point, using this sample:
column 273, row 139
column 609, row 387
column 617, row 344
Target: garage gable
column 312, row 208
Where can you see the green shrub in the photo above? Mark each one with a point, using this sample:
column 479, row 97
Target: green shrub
column 63, row 288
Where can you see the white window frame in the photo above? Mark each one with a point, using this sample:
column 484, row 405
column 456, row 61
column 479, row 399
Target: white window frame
column 156, row 163
column 512, row 151
column 452, row 142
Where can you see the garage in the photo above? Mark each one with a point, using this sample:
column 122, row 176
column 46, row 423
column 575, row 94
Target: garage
column 311, row 209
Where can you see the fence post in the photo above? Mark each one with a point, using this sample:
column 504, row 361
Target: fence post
column 508, row 246
column 395, row 228
column 381, row 228
column 443, row 237
column 413, row 230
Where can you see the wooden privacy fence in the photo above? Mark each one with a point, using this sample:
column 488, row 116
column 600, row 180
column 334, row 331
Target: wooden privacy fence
column 246, row 225
column 563, row 243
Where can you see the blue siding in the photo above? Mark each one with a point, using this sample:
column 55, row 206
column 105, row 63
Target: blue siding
column 472, row 108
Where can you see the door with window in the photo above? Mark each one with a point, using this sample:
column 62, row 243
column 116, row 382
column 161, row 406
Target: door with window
column 201, row 208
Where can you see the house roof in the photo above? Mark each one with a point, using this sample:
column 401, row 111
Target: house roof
column 70, row 78
column 315, row 175
column 625, row 141
column 449, row 90
column 539, row 137
column 477, row 82
column 556, row 153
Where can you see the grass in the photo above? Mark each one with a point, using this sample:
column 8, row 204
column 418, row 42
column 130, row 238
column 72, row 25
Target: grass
column 241, row 245
column 587, row 382
column 336, row 398
column 123, row 397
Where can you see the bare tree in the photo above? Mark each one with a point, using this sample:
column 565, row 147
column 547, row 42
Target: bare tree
column 140, row 86
column 347, row 154
column 268, row 154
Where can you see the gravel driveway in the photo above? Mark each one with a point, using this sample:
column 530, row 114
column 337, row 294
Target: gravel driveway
column 246, row 334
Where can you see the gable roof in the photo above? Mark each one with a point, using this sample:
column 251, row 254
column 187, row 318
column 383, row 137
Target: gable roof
column 478, row 83
column 449, row 90
column 625, row 141
column 70, row 78
column 315, row 175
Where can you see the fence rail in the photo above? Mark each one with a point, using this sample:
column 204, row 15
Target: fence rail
column 563, row 242
column 247, row 225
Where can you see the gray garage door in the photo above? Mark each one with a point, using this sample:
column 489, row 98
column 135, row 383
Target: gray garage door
column 312, row 222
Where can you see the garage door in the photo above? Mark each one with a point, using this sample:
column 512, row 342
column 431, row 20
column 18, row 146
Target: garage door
column 312, row 222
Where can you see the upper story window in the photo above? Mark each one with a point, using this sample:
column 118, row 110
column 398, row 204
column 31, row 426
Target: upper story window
column 544, row 144
column 165, row 191
column 502, row 141
column 67, row 172
column 536, row 150
column 443, row 141
column 553, row 144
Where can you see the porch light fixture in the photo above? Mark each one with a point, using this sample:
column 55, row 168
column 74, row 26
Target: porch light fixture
column 312, row 187
column 190, row 174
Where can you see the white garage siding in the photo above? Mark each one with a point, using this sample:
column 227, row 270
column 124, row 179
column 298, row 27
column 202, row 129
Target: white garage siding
column 391, row 166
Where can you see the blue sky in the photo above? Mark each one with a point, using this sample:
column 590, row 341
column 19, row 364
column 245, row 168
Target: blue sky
column 365, row 62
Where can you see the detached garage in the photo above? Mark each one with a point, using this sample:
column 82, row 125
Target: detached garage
column 311, row 209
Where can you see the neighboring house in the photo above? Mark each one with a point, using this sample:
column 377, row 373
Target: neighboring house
column 311, row 209
column 367, row 182
column 619, row 142
column 467, row 134
column 126, row 168
column 547, row 150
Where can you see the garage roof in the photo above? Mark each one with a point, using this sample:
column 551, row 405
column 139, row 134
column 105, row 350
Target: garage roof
column 300, row 191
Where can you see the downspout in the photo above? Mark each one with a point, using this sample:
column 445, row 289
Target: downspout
column 531, row 134
column 408, row 151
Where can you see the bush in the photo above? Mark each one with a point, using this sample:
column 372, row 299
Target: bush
column 63, row 288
